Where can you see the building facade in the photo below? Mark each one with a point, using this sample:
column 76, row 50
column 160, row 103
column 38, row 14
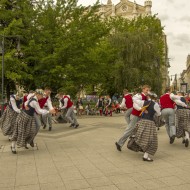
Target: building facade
column 185, row 75
column 125, row 9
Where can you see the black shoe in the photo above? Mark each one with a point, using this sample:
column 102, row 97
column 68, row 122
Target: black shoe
column 148, row 159
column 76, row 126
column 50, row 128
column 26, row 147
column 186, row 142
column 13, row 150
column 32, row 144
column 118, row 146
column 172, row 139
column 183, row 142
column 72, row 125
column 44, row 126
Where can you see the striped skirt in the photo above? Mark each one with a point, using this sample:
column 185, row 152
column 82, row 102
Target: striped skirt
column 182, row 122
column 7, row 121
column 146, row 136
column 25, row 129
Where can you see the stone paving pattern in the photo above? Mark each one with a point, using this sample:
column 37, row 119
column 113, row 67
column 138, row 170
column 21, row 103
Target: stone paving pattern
column 86, row 158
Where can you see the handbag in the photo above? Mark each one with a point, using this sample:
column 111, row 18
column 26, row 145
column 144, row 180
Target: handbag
column 80, row 107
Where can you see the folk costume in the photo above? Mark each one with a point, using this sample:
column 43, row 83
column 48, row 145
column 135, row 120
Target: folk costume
column 100, row 105
column 47, row 105
column 66, row 103
column 25, row 127
column 135, row 116
column 145, row 138
column 183, row 122
column 10, row 114
column 167, row 102
column 127, row 102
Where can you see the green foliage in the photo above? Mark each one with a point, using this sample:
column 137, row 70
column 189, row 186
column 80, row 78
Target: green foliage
column 68, row 46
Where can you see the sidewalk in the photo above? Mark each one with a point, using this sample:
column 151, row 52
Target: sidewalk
column 86, row 158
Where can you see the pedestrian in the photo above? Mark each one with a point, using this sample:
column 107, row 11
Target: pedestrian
column 134, row 117
column 144, row 137
column 25, row 128
column 127, row 102
column 10, row 114
column 66, row 103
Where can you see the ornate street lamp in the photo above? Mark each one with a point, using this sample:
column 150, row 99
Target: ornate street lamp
column 2, row 53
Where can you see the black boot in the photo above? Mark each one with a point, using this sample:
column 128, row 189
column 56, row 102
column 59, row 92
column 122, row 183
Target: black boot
column 50, row 128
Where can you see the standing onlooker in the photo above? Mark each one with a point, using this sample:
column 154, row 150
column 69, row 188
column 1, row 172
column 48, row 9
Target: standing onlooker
column 100, row 104
column 79, row 106
column 108, row 106
column 88, row 109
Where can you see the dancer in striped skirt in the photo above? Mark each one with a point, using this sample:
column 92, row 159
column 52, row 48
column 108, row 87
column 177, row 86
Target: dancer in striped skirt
column 145, row 134
column 25, row 126
column 182, row 120
column 10, row 114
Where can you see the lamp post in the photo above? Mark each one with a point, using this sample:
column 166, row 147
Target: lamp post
column 3, row 55
column 2, row 87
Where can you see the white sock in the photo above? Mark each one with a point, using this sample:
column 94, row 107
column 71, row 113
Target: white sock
column 145, row 155
column 186, row 135
column 13, row 144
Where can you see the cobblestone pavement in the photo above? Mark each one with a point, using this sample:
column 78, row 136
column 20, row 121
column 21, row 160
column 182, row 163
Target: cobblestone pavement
column 86, row 158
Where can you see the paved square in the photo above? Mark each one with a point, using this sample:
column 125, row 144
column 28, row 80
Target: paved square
column 86, row 158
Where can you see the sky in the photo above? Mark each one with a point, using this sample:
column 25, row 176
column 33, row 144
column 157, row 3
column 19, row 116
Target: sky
column 175, row 17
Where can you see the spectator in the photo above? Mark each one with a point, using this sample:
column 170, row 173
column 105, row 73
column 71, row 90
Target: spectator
column 79, row 106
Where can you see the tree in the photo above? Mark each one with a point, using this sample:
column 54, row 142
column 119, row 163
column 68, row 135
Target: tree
column 15, row 22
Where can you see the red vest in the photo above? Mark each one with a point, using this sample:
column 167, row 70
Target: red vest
column 24, row 100
column 42, row 102
column 136, row 112
column 166, row 102
column 128, row 101
column 69, row 103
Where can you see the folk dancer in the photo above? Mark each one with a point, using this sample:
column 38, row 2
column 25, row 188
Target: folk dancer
column 26, row 97
column 145, row 134
column 167, row 102
column 10, row 114
column 25, row 128
column 47, row 119
column 127, row 102
column 134, row 117
column 182, row 120
column 66, row 103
